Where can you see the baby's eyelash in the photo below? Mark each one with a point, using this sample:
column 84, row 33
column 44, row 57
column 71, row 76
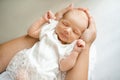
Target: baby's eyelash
column 76, row 32
column 65, row 23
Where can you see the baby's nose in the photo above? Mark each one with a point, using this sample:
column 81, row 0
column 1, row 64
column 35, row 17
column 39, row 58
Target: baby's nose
column 67, row 31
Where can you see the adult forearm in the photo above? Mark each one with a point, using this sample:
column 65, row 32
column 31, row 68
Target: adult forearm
column 10, row 48
column 80, row 70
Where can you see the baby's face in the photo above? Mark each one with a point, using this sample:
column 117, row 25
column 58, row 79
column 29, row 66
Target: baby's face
column 71, row 26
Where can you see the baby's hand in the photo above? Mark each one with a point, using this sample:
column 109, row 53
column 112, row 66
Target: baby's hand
column 80, row 44
column 48, row 15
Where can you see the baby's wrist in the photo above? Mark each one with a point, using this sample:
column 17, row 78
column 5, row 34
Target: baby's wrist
column 75, row 52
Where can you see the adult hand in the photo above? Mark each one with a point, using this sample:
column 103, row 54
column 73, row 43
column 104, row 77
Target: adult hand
column 60, row 13
column 89, row 34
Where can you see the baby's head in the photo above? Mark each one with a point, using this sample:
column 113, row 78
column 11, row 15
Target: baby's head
column 72, row 25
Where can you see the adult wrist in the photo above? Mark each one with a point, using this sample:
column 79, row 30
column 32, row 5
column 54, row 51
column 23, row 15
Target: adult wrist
column 86, row 49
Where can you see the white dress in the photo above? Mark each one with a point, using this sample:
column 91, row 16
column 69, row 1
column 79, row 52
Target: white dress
column 41, row 61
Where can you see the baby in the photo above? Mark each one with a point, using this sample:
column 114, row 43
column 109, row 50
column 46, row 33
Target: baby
column 55, row 52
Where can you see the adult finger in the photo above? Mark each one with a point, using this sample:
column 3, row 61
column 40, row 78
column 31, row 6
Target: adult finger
column 89, row 34
column 82, row 9
column 86, row 10
column 60, row 13
column 92, row 26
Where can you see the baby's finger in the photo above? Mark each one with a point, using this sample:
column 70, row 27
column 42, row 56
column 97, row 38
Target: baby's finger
column 81, row 43
column 51, row 15
column 45, row 16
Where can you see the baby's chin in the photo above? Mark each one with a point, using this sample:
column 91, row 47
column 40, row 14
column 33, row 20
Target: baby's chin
column 63, row 41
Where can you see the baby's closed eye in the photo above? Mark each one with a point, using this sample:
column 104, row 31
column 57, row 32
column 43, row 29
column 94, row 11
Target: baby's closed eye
column 65, row 24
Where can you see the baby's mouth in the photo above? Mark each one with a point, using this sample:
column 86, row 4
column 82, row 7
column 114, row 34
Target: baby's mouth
column 62, row 37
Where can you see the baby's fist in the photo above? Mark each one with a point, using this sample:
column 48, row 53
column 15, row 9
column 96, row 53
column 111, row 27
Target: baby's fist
column 49, row 15
column 80, row 44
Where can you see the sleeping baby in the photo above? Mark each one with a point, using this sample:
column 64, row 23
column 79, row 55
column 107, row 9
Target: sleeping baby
column 56, row 51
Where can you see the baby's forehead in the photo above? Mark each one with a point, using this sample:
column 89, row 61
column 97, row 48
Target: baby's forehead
column 78, row 17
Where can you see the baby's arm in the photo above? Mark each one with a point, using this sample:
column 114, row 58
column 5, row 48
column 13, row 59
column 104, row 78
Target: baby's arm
column 69, row 62
column 35, row 29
